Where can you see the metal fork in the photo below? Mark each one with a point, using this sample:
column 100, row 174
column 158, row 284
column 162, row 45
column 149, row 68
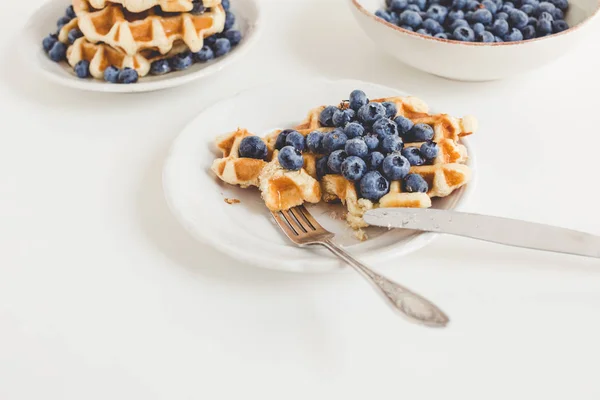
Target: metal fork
column 301, row 227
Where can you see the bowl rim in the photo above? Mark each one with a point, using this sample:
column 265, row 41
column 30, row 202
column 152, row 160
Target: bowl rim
column 359, row 7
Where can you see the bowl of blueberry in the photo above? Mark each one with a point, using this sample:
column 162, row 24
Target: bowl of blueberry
column 476, row 40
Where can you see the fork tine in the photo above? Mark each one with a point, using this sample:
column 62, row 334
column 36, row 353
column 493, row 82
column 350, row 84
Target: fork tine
column 284, row 225
column 291, row 219
column 315, row 224
column 306, row 225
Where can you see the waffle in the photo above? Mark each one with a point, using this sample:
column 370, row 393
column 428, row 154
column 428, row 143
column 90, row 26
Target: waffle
column 150, row 30
column 137, row 6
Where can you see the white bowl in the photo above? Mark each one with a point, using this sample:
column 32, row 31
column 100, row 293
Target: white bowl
column 474, row 61
column 246, row 231
column 43, row 22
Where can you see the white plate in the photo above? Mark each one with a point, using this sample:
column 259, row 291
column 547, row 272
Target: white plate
column 246, row 231
column 43, row 22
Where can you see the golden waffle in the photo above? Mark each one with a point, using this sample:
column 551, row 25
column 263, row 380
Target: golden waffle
column 137, row 6
column 150, row 30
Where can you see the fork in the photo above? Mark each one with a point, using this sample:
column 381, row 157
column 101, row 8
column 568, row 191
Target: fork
column 304, row 230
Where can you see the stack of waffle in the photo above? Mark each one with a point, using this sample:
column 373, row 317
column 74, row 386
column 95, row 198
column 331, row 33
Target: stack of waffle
column 282, row 189
column 135, row 33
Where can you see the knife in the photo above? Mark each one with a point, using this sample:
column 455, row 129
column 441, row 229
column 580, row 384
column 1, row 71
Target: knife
column 505, row 231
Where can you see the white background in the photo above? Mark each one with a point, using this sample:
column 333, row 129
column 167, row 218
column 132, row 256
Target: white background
column 104, row 296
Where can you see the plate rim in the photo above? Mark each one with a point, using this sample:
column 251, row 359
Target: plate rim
column 32, row 53
column 416, row 242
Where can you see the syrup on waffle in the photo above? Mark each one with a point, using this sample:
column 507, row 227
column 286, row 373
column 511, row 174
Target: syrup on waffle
column 150, row 30
column 137, row 6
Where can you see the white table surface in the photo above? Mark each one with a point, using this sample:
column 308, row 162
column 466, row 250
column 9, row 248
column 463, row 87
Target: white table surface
column 104, row 296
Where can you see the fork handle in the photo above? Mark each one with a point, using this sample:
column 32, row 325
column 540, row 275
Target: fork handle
column 410, row 304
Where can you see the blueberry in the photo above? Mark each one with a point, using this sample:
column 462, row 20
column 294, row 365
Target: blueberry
column 358, row 98
column 128, row 76
column 374, row 160
column 390, row 109
column 160, row 67
column 485, row 37
column 334, row 140
column 49, row 41
column 222, row 46
column 507, row 7
column 395, row 18
column 198, row 8
column 62, row 22
column 419, row 3
column 423, row 15
column 413, row 155
column 58, row 52
column 353, row 168
column 478, row 28
column 559, row 26
column 424, row 32
column 82, row 69
column 372, row 141
column 432, row 26
column 385, row 127
column 441, row 36
column 210, row 41
column 498, row 39
column 404, row 125
column 234, row 37
column 532, row 21
column 534, row 3
column 558, row 14
column 229, row 20
column 457, row 24
column 290, row 158
column 543, row 27
column 335, row 161
column 182, row 61
column 371, row 112
column 111, row 74
column 74, row 34
column 295, row 139
column 469, row 17
column 546, row 16
column 395, row 167
column 314, row 142
column 515, row 35
column 459, row 4
column 398, row 5
column 502, row 15
column 473, row 5
column 384, row 15
column 562, row 4
column 357, row 147
column 226, row 5
column 354, row 129
column 326, row 117
column 527, row 9
column 544, row 7
column 430, row 150
column 421, row 133
column 411, row 18
column 414, row 183
column 342, row 117
column 500, row 27
column 483, row 16
column 373, row 186
column 518, row 19
column 391, row 144
column 322, row 168
column 408, row 28
column 70, row 12
column 454, row 15
column 253, row 147
column 490, row 5
column 528, row 32
column 437, row 13
column 281, row 138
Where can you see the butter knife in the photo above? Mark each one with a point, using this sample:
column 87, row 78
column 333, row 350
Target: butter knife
column 505, row 231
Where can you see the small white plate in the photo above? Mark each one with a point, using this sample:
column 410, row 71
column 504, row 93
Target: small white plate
column 43, row 22
column 246, row 231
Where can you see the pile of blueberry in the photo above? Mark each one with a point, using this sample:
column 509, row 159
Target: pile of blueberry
column 484, row 21
column 214, row 46
column 366, row 146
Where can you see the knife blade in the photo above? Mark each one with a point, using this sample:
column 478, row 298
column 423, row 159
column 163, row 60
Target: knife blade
column 505, row 231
